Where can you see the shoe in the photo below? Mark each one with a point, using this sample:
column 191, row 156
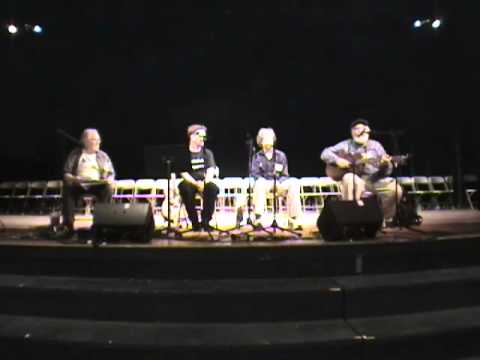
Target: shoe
column 66, row 236
column 207, row 227
column 196, row 227
column 257, row 222
column 294, row 225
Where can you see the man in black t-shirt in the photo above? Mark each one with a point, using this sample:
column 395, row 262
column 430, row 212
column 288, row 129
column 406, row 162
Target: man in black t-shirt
column 198, row 178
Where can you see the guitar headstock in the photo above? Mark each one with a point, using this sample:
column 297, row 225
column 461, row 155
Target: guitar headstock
column 400, row 159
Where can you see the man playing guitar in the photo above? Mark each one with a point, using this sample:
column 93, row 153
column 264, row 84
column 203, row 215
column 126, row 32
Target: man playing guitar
column 362, row 164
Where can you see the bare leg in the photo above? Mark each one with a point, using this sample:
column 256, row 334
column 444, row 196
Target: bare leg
column 348, row 188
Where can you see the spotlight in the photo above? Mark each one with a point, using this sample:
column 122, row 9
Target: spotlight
column 436, row 24
column 417, row 23
column 37, row 29
column 12, row 29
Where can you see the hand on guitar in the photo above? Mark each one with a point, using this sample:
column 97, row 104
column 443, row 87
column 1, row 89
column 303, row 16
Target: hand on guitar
column 386, row 159
column 343, row 163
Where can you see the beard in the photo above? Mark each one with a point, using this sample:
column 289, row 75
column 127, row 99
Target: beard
column 362, row 139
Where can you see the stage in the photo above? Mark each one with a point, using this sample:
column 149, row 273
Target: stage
column 407, row 293
column 437, row 224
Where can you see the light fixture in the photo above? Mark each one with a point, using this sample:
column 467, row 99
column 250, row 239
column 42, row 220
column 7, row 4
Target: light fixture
column 12, row 29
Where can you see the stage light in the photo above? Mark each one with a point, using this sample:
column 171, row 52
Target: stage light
column 436, row 24
column 37, row 29
column 417, row 23
column 12, row 29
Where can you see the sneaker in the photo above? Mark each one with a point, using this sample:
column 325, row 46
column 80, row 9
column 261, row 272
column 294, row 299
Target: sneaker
column 196, row 227
column 294, row 225
column 257, row 221
column 63, row 233
column 208, row 228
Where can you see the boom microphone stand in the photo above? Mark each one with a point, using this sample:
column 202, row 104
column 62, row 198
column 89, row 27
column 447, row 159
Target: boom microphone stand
column 240, row 210
column 274, row 226
column 168, row 230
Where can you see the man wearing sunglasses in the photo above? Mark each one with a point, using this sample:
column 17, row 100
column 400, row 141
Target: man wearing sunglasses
column 197, row 177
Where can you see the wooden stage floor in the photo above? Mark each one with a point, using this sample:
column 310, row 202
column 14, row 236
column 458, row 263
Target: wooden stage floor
column 437, row 224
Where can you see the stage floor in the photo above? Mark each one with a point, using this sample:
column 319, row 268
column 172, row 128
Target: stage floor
column 437, row 224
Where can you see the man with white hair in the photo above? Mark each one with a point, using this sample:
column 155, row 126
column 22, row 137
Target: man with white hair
column 87, row 170
column 268, row 164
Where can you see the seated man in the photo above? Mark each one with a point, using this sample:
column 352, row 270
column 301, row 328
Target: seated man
column 87, row 170
column 197, row 177
column 362, row 164
column 267, row 164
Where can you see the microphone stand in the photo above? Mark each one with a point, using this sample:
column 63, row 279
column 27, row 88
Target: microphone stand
column 394, row 134
column 251, row 151
column 168, row 229
column 274, row 226
column 354, row 171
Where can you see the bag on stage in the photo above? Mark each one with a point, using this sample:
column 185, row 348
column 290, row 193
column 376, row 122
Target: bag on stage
column 407, row 214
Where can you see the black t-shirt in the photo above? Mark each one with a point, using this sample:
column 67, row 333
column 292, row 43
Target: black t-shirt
column 199, row 163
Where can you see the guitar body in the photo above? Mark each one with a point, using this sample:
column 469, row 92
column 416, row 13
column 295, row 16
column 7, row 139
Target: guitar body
column 177, row 211
column 334, row 172
column 337, row 173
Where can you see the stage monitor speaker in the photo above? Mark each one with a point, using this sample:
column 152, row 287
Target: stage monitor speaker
column 116, row 222
column 344, row 220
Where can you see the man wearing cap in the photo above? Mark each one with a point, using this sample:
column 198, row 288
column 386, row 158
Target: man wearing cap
column 363, row 165
column 198, row 177
column 270, row 163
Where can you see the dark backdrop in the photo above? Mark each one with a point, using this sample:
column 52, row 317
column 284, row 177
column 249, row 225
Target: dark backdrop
column 141, row 71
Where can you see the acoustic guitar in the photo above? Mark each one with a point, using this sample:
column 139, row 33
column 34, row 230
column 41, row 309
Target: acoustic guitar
column 358, row 164
column 177, row 211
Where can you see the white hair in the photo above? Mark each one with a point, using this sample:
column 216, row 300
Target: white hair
column 88, row 131
column 262, row 133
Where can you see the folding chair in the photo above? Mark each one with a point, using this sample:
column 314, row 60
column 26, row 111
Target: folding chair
column 52, row 199
column 427, row 196
column 444, row 192
column 329, row 188
column 311, row 193
column 145, row 191
column 124, row 190
column 19, row 197
column 232, row 193
column 35, row 196
column 470, row 183
column 6, row 195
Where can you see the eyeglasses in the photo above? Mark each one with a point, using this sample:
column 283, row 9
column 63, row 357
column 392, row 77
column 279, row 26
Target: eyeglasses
column 202, row 134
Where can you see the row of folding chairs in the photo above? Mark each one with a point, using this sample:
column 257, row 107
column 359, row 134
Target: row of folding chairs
column 30, row 196
column 429, row 192
column 233, row 191
column 45, row 196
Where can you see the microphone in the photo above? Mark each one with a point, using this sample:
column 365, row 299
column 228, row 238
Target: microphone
column 366, row 130
column 388, row 132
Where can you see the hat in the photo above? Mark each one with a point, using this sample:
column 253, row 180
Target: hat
column 359, row 121
column 194, row 128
